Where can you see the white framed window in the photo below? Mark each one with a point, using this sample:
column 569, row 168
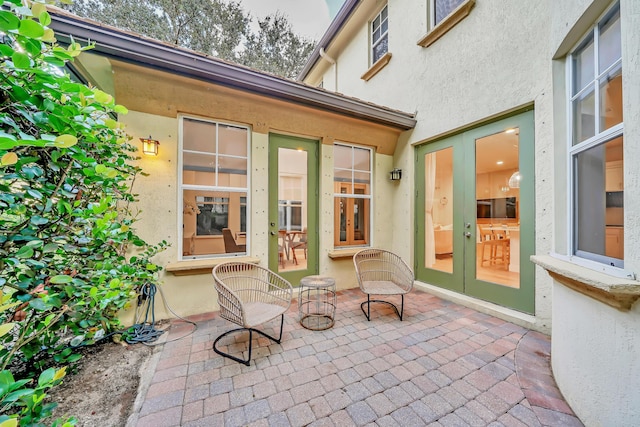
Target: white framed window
column 596, row 144
column 214, row 162
column 379, row 35
column 440, row 9
column 352, row 177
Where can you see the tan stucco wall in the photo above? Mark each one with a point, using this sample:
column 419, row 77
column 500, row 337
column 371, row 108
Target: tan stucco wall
column 168, row 95
column 161, row 217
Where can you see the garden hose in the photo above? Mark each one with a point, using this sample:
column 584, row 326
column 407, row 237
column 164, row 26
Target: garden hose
column 145, row 332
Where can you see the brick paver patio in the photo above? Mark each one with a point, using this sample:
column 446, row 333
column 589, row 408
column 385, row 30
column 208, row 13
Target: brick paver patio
column 443, row 365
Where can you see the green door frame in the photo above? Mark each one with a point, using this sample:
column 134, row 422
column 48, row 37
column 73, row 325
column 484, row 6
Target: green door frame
column 277, row 141
column 451, row 281
column 463, row 279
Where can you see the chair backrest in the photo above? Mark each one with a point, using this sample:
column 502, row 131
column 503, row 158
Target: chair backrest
column 240, row 283
column 381, row 265
column 485, row 232
column 230, row 244
column 500, row 233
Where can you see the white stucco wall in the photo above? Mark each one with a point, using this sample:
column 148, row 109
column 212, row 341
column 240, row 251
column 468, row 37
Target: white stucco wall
column 596, row 358
column 492, row 62
column 595, row 348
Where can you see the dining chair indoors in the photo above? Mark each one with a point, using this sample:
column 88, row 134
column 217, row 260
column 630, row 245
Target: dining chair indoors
column 230, row 244
column 301, row 243
column 381, row 272
column 249, row 296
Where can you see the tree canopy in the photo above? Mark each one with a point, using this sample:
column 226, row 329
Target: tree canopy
column 214, row 27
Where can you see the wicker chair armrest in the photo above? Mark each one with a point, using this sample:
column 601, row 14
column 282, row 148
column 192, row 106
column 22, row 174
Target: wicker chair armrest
column 231, row 307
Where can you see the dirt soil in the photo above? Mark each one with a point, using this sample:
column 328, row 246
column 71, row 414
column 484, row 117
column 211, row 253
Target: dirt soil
column 102, row 391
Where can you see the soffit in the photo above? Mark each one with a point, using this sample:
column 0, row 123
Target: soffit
column 160, row 93
column 124, row 46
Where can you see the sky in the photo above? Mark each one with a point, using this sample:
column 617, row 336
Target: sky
column 309, row 18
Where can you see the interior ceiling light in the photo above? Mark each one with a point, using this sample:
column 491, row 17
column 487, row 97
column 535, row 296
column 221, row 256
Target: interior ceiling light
column 514, row 180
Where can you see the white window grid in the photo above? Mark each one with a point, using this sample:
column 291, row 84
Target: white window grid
column 215, row 186
column 433, row 9
column 379, row 31
column 600, row 137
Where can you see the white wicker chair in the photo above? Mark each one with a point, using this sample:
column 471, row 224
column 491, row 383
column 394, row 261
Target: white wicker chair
column 250, row 295
column 382, row 272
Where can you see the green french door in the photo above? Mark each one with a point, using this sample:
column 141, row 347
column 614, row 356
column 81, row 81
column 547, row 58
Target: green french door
column 293, row 206
column 475, row 212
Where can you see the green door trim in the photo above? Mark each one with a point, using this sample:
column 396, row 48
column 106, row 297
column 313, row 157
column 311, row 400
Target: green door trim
column 277, row 141
column 522, row 298
column 463, row 280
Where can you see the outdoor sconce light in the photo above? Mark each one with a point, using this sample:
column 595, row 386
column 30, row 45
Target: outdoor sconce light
column 150, row 146
column 395, row 174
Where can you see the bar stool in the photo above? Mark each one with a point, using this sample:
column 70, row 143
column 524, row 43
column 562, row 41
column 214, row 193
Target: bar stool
column 498, row 243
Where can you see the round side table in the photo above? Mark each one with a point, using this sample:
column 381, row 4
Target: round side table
column 317, row 302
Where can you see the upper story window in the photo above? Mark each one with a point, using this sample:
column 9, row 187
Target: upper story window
column 352, row 194
column 214, row 163
column 444, row 15
column 596, row 148
column 379, row 35
column 442, row 8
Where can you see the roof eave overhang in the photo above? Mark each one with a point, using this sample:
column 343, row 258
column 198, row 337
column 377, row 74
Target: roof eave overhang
column 147, row 52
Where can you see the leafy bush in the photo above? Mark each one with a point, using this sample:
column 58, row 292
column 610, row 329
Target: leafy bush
column 69, row 255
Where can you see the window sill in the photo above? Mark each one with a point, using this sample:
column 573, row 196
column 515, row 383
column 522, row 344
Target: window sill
column 343, row 253
column 375, row 68
column 447, row 23
column 614, row 291
column 203, row 266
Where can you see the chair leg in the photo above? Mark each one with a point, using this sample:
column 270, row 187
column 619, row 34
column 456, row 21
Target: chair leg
column 368, row 312
column 251, row 330
column 369, row 301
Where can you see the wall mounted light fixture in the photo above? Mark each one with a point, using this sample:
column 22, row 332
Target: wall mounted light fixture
column 395, row 174
column 150, row 146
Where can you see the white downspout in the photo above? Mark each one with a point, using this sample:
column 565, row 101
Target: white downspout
column 332, row 61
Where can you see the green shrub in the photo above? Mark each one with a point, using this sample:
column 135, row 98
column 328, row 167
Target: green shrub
column 69, row 254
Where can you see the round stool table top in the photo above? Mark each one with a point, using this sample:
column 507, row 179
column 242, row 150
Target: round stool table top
column 317, row 281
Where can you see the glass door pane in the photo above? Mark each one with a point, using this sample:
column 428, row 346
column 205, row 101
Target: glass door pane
column 352, row 213
column 497, row 214
column 438, row 208
column 439, row 214
column 292, row 208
